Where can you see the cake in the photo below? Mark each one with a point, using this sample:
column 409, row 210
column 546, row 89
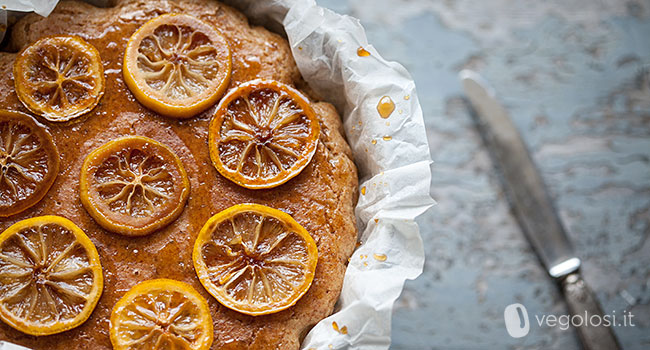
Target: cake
column 320, row 198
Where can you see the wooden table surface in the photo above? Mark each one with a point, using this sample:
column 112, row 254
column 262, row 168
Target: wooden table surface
column 575, row 75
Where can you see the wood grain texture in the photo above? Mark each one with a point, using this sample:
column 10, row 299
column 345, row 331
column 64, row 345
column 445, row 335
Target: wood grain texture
column 575, row 76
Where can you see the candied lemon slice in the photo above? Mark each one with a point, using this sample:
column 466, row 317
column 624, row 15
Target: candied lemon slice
column 29, row 162
column 263, row 134
column 59, row 77
column 255, row 259
column 133, row 185
column 50, row 275
column 177, row 65
column 159, row 315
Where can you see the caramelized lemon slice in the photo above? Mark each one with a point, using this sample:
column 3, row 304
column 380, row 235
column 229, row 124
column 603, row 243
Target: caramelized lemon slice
column 133, row 185
column 50, row 276
column 59, row 77
column 255, row 259
column 29, row 162
column 263, row 134
column 159, row 315
column 177, row 65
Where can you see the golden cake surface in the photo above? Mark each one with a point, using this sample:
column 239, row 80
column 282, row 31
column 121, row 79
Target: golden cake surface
column 321, row 198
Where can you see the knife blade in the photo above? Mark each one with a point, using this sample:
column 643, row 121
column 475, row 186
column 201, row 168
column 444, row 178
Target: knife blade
column 533, row 208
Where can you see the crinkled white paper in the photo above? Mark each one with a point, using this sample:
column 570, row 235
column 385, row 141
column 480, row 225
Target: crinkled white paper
column 392, row 155
column 42, row 7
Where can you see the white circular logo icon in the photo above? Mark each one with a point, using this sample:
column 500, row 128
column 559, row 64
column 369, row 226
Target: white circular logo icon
column 516, row 318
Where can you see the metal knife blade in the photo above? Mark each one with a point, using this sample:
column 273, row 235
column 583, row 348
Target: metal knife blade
column 534, row 210
column 522, row 182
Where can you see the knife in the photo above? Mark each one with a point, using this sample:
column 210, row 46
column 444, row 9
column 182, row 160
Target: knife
column 534, row 210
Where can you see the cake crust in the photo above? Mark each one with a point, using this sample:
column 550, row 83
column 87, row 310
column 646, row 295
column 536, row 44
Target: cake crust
column 321, row 198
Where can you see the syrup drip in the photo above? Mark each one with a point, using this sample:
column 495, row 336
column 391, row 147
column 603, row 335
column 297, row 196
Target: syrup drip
column 380, row 257
column 385, row 107
column 342, row 330
column 361, row 52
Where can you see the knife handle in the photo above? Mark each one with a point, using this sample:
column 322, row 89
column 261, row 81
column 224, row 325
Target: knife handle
column 581, row 301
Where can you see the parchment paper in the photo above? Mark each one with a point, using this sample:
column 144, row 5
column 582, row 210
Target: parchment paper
column 392, row 155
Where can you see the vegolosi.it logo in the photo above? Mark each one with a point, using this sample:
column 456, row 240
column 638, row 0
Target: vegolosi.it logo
column 516, row 318
column 518, row 323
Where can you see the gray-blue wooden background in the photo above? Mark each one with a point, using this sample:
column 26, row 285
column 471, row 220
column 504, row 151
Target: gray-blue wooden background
column 575, row 75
